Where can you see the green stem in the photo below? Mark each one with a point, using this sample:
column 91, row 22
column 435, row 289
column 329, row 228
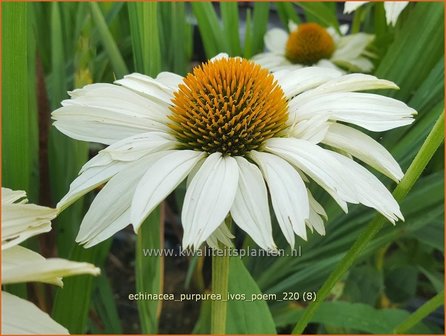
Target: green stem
column 431, row 144
column 357, row 18
column 220, row 272
column 420, row 313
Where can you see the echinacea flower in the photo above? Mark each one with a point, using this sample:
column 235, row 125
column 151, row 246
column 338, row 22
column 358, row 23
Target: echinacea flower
column 310, row 44
column 241, row 136
column 393, row 9
column 19, row 264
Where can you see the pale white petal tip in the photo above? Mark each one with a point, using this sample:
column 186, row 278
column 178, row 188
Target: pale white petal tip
column 219, row 56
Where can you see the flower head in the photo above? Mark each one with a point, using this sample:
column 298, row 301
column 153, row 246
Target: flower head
column 393, row 9
column 19, row 264
column 310, row 44
column 242, row 137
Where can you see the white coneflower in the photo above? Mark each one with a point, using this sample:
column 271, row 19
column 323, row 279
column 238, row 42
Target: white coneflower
column 393, row 9
column 242, row 136
column 19, row 264
column 310, row 44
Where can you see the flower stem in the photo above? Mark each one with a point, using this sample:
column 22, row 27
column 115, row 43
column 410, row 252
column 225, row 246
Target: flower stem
column 420, row 313
column 220, row 277
column 431, row 144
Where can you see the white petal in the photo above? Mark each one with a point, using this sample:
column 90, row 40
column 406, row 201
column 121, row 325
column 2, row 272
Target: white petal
column 154, row 89
column 351, row 6
column 98, row 125
column 209, row 198
column 159, row 181
column 109, row 211
column 23, row 317
column 275, row 40
column 288, row 194
column 219, row 57
column 294, row 82
column 371, row 111
column 250, row 210
column 352, row 46
column 393, row 10
column 312, row 130
column 112, row 160
column 20, row 264
column 10, row 196
column 114, row 98
column 220, row 235
column 316, row 163
column 21, row 221
column 369, row 190
column 317, row 213
column 170, row 79
column 273, row 62
column 364, row 148
column 348, row 83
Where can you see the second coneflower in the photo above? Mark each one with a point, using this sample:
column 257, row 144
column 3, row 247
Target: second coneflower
column 310, row 44
column 242, row 137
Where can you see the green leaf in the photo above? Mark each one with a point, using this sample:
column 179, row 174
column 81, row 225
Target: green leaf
column 149, row 271
column 363, row 285
column 105, row 306
column 246, row 316
column 210, row 30
column 320, row 12
column 259, row 25
column 75, row 297
column 230, row 16
column 143, row 18
column 108, row 42
column 17, row 163
column 287, row 13
column 66, row 156
column 359, row 317
column 415, row 44
column 401, row 283
column 175, row 37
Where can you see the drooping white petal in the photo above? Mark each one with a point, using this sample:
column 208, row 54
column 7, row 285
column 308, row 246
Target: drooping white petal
column 297, row 81
column 158, row 89
column 112, row 160
column 20, row 264
column 250, row 209
column 220, row 235
column 370, row 111
column 317, row 213
column 21, row 221
column 159, row 181
column 369, row 189
column 316, row 163
column 110, row 209
column 209, row 198
column 288, row 194
column 393, row 10
column 88, row 180
column 351, row 6
column 364, row 148
column 275, row 40
column 10, row 196
column 23, row 317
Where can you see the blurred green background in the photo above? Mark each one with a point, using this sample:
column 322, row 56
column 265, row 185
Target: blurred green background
column 51, row 48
